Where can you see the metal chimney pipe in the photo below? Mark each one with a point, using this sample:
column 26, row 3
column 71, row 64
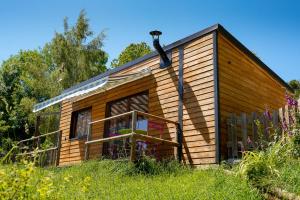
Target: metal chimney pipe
column 166, row 62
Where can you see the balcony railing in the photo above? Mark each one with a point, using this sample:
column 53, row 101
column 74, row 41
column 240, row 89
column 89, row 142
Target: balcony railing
column 134, row 135
column 45, row 147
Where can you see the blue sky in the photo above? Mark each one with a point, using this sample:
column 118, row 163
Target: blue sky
column 271, row 29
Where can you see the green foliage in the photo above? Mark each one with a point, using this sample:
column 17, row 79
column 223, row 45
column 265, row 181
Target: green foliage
column 295, row 84
column 268, row 166
column 289, row 178
column 20, row 182
column 75, row 54
column 149, row 166
column 20, row 81
column 6, row 143
column 108, row 179
column 295, row 144
column 131, row 52
column 34, row 76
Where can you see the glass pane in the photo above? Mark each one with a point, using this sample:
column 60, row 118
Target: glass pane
column 83, row 118
column 122, row 125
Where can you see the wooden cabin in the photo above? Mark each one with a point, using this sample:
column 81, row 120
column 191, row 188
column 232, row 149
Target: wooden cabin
column 211, row 74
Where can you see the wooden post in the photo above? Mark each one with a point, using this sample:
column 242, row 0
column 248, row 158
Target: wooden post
column 281, row 119
column 59, row 135
column 133, row 141
column 264, row 121
column 37, row 126
column 233, row 135
column 287, row 114
column 134, row 120
column 36, row 133
column 38, row 143
column 244, row 130
column 86, row 146
column 229, row 140
column 132, row 150
column 275, row 118
column 254, row 128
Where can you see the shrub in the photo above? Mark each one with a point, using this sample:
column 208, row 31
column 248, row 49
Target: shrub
column 19, row 181
column 262, row 167
column 149, row 166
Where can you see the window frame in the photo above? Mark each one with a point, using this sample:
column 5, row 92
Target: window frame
column 74, row 120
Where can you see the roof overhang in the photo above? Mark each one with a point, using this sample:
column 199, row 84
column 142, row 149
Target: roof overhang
column 95, row 87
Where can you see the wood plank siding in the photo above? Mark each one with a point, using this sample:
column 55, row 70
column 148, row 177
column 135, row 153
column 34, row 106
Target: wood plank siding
column 244, row 86
column 162, row 87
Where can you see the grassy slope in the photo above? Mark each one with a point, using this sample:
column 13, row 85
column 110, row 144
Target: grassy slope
column 109, row 180
column 289, row 178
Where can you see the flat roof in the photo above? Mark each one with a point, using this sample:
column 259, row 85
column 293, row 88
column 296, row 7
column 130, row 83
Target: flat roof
column 216, row 27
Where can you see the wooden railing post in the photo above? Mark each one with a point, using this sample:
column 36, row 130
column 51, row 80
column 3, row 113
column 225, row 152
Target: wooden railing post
column 132, row 150
column 133, row 139
column 134, row 120
column 86, row 145
column 59, row 135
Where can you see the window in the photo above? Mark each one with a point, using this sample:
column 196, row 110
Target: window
column 79, row 123
column 122, row 125
column 135, row 102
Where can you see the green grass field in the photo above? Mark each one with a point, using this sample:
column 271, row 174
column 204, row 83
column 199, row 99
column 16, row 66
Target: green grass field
column 116, row 180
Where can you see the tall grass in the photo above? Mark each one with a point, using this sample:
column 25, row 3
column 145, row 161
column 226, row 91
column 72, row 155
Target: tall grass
column 277, row 164
column 107, row 179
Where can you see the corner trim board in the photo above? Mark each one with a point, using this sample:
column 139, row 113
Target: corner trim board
column 216, row 98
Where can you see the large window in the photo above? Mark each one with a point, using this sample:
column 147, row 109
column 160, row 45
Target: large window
column 122, row 125
column 79, row 123
column 136, row 102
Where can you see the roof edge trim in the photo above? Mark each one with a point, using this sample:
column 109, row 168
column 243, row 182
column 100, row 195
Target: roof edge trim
column 216, row 27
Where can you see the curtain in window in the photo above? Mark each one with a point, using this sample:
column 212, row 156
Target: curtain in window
column 83, row 118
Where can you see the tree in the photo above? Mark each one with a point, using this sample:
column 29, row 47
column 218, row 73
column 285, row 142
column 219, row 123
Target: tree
column 131, row 52
column 295, row 84
column 75, row 54
column 34, row 76
column 24, row 81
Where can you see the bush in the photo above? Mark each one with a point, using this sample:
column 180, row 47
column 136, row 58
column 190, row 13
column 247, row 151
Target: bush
column 266, row 166
column 256, row 168
column 19, row 181
column 149, row 166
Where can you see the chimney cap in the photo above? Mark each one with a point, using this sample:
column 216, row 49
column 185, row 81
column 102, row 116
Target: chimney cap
column 155, row 33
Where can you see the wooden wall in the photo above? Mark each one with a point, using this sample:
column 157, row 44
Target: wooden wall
column 198, row 118
column 243, row 86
